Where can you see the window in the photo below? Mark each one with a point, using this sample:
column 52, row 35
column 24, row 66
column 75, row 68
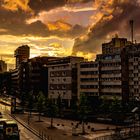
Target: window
column 63, row 87
column 64, row 79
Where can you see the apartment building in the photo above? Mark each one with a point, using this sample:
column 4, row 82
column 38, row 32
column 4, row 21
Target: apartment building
column 133, row 56
column 31, row 75
column 15, row 81
column 88, row 73
column 62, row 79
column 115, row 45
column 107, row 76
column 110, row 75
column 22, row 53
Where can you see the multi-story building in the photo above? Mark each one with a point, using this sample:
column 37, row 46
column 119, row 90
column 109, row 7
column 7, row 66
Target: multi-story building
column 62, row 79
column 22, row 53
column 38, row 74
column 107, row 76
column 3, row 66
column 31, row 75
column 115, row 45
column 88, row 80
column 5, row 83
column 133, row 57
column 110, row 75
column 115, row 72
column 15, row 81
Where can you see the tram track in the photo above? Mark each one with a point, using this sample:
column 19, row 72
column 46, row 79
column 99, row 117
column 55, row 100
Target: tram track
column 29, row 128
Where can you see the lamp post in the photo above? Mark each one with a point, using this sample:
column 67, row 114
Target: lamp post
column 134, row 116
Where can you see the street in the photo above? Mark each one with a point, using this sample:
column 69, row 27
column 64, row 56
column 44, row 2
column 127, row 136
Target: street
column 25, row 134
column 63, row 128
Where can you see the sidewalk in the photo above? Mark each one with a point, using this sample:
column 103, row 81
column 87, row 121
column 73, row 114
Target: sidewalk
column 63, row 130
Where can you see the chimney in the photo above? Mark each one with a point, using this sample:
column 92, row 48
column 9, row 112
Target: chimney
column 132, row 29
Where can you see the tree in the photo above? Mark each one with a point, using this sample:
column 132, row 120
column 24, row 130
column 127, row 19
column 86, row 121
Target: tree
column 51, row 110
column 83, row 110
column 40, row 104
column 24, row 99
column 115, row 105
column 30, row 104
column 30, row 101
column 104, row 106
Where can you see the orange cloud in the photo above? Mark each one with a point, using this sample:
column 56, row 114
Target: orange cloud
column 59, row 25
column 3, row 30
column 14, row 5
column 89, row 56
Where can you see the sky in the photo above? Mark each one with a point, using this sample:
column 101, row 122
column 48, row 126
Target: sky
column 64, row 27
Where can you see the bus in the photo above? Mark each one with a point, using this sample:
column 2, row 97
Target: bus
column 2, row 121
column 10, row 130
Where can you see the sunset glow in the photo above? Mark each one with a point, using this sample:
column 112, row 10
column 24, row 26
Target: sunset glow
column 62, row 28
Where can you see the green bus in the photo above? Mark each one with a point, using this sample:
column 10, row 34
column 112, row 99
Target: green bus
column 10, row 130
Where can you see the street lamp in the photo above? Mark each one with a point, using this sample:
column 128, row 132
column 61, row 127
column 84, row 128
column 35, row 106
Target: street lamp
column 134, row 113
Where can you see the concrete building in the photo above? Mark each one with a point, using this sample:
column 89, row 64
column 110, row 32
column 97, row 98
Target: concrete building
column 31, row 75
column 88, row 73
column 107, row 76
column 133, row 57
column 110, row 75
column 115, row 45
column 22, row 53
column 62, row 79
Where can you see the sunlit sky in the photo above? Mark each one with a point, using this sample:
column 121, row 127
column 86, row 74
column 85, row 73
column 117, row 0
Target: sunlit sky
column 63, row 27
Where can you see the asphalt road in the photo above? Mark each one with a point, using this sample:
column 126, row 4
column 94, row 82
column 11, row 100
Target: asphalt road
column 25, row 134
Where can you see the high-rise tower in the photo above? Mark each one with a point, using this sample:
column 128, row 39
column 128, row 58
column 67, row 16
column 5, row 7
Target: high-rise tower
column 22, row 53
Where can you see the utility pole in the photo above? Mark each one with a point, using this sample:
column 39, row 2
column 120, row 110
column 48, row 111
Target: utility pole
column 132, row 29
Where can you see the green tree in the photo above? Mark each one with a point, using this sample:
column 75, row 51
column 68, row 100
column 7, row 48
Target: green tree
column 83, row 110
column 40, row 104
column 30, row 104
column 104, row 106
column 51, row 110
column 24, row 99
column 30, row 101
column 115, row 105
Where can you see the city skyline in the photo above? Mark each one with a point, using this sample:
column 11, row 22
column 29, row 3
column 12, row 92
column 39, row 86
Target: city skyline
column 66, row 27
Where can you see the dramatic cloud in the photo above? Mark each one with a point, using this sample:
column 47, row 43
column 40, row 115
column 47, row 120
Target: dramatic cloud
column 45, row 5
column 59, row 25
column 112, row 16
column 51, row 26
column 40, row 46
column 14, row 5
column 72, row 14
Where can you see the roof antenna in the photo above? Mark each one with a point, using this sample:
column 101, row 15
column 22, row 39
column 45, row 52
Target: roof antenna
column 132, row 29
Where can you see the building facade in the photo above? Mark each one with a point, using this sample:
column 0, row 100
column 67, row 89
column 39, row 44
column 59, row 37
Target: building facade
column 62, row 79
column 22, row 53
column 133, row 56
column 108, row 75
column 3, row 66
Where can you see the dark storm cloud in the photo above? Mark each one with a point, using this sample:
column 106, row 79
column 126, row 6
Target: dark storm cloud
column 13, row 20
column 40, row 5
column 116, row 21
column 14, row 23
